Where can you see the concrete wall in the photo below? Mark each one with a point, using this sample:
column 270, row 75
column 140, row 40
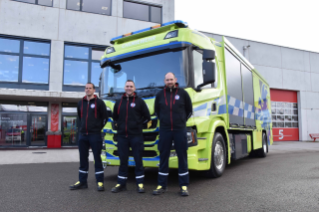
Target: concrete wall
column 288, row 69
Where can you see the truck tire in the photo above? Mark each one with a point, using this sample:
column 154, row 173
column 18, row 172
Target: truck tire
column 263, row 151
column 218, row 159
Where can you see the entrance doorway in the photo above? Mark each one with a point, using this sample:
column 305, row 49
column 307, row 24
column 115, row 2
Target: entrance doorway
column 38, row 127
column 69, row 130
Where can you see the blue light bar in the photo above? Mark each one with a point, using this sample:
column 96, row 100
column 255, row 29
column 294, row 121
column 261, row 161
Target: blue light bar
column 177, row 22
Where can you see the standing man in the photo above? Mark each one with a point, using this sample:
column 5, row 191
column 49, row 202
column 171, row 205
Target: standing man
column 129, row 114
column 92, row 115
column 173, row 107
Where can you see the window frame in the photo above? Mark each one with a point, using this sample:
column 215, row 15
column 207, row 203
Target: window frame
column 80, row 88
column 36, row 3
column 81, row 9
column 21, row 55
column 149, row 4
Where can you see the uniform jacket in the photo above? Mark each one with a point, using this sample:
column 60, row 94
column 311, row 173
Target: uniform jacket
column 129, row 114
column 173, row 107
column 92, row 115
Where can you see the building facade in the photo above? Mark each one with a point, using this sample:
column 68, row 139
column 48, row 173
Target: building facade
column 49, row 49
column 293, row 76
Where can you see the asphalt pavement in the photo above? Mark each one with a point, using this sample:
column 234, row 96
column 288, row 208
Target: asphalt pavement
column 286, row 180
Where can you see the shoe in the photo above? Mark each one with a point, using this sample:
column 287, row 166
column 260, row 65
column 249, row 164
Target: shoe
column 184, row 191
column 100, row 186
column 78, row 185
column 118, row 188
column 140, row 188
column 159, row 190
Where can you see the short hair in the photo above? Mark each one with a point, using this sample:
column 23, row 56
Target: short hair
column 90, row 83
column 170, row 73
column 130, row 81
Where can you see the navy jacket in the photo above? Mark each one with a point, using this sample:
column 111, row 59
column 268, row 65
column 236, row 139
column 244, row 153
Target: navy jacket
column 173, row 108
column 129, row 114
column 92, row 115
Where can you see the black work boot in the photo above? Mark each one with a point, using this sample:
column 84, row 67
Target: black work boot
column 159, row 190
column 184, row 191
column 78, row 185
column 118, row 188
column 140, row 188
column 100, row 186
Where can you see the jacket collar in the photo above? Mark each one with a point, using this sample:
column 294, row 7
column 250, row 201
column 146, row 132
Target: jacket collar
column 85, row 98
column 175, row 87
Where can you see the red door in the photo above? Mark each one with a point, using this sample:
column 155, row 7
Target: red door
column 284, row 110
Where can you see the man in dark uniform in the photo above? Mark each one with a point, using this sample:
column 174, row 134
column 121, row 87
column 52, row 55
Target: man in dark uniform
column 173, row 107
column 92, row 115
column 129, row 114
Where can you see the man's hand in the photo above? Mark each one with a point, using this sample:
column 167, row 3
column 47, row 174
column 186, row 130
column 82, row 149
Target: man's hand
column 149, row 124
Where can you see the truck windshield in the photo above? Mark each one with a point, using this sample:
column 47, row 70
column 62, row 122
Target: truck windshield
column 147, row 72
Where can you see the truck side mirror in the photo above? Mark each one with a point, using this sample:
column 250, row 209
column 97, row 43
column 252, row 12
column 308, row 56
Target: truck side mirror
column 208, row 68
column 208, row 72
column 208, row 54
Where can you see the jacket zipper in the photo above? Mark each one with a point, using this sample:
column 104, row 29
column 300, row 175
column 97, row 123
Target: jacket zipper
column 87, row 115
column 126, row 116
column 171, row 112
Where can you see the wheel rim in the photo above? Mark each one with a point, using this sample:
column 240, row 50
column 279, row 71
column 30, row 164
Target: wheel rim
column 219, row 155
column 265, row 145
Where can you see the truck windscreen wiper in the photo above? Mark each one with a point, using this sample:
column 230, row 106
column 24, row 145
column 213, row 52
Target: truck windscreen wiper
column 149, row 87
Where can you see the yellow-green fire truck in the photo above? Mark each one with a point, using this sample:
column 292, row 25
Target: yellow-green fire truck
column 231, row 100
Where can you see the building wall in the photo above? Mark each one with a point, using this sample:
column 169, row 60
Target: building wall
column 288, row 69
column 60, row 25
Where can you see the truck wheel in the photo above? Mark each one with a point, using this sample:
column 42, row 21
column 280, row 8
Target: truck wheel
column 263, row 151
column 218, row 159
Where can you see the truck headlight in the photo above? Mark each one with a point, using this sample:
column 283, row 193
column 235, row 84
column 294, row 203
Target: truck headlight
column 191, row 137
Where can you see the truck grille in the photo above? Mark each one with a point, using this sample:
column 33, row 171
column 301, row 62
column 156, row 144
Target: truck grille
column 146, row 137
column 153, row 125
column 149, row 154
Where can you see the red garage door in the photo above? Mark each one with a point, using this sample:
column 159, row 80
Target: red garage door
column 284, row 109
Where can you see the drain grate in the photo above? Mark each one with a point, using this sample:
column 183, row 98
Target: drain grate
column 39, row 152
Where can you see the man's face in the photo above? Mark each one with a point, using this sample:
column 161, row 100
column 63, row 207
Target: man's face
column 89, row 90
column 170, row 80
column 129, row 88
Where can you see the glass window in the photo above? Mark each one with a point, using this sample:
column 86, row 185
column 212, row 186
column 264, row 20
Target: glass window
column 69, row 110
column 142, row 12
column 73, row 4
column 136, row 11
column 82, row 65
column 9, row 68
column 35, row 70
column 286, row 114
column 27, row 1
column 95, row 74
column 9, row 45
column 156, row 14
column 97, row 6
column 13, row 129
column 97, row 54
column 75, row 72
column 76, row 52
column 69, row 129
column 45, row 2
column 36, row 48
column 39, row 2
column 138, row 70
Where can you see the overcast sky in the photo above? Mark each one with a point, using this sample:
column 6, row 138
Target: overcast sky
column 288, row 23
